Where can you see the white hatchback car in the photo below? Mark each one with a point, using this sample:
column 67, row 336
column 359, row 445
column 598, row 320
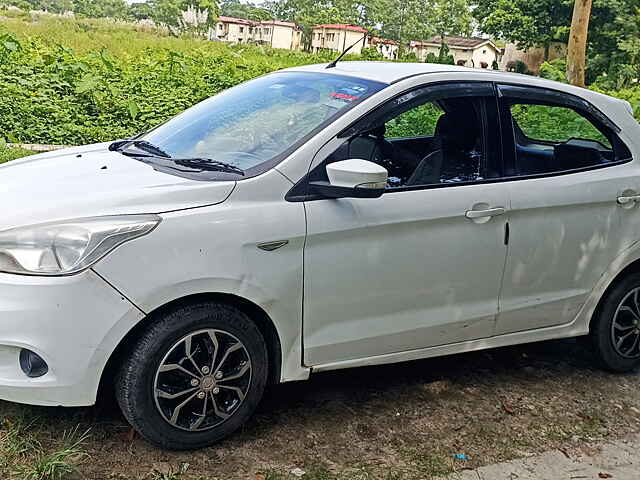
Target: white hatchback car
column 315, row 219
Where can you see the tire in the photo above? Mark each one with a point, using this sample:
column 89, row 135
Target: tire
column 149, row 395
column 617, row 315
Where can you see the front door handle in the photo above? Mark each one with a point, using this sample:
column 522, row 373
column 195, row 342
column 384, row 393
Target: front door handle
column 628, row 199
column 490, row 212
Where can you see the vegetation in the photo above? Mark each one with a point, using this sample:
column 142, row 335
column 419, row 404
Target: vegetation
column 555, row 124
column 23, row 456
column 12, row 153
column 613, row 48
column 78, row 81
column 115, row 81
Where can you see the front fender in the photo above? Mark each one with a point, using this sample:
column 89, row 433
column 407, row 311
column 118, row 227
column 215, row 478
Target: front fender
column 215, row 250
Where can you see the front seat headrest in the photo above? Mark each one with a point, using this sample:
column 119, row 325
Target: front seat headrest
column 460, row 132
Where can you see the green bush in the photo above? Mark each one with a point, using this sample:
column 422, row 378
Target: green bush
column 554, row 70
column 371, row 54
column 67, row 81
column 52, row 94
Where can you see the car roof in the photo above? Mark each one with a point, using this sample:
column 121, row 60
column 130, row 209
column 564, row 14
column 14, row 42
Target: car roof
column 385, row 72
column 390, row 72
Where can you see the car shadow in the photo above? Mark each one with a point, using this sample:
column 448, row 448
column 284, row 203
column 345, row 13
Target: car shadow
column 357, row 389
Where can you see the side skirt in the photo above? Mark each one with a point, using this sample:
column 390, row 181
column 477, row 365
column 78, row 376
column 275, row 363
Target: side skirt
column 530, row 336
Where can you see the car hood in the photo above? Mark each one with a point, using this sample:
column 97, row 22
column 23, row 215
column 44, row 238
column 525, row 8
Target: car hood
column 92, row 181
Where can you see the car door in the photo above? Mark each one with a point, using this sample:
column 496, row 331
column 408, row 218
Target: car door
column 421, row 265
column 567, row 167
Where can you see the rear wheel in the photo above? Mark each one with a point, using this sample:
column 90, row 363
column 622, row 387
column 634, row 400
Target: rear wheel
column 615, row 334
column 194, row 377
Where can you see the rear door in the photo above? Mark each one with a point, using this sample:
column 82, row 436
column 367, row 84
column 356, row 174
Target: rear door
column 566, row 169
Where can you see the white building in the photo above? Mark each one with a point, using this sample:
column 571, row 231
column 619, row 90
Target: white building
column 234, row 30
column 278, row 34
column 274, row 33
column 387, row 48
column 337, row 37
column 467, row 51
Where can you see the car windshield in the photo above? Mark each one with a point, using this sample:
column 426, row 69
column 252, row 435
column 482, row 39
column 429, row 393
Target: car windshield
column 260, row 120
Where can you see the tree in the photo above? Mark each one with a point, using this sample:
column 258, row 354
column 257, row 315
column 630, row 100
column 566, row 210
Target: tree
column 614, row 43
column 101, row 8
column 400, row 20
column 577, row 51
column 407, row 20
column 629, row 43
column 527, row 23
column 450, row 17
column 443, row 56
column 538, row 23
column 169, row 12
column 248, row 10
column 307, row 14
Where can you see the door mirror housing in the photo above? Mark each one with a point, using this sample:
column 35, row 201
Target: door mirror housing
column 353, row 178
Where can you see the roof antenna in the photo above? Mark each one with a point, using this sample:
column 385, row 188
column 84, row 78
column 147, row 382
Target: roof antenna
column 346, row 50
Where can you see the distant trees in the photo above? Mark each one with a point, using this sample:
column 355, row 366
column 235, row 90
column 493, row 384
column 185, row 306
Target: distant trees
column 101, row 8
column 400, row 20
column 527, row 23
column 170, row 12
column 248, row 10
column 613, row 45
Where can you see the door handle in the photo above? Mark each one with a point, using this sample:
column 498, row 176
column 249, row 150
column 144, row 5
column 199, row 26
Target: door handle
column 490, row 212
column 628, row 199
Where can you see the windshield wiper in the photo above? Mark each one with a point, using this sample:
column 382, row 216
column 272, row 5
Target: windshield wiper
column 143, row 145
column 202, row 164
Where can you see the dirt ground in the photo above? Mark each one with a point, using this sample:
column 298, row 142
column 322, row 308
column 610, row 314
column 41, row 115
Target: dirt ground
column 402, row 421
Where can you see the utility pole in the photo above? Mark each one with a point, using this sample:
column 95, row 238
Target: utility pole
column 577, row 50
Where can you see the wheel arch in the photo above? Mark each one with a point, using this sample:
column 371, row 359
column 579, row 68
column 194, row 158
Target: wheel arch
column 632, row 266
column 257, row 314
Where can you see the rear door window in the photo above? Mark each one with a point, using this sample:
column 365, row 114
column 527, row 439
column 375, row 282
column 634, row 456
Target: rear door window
column 555, row 124
column 549, row 132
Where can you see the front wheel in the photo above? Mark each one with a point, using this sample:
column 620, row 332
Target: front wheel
column 194, row 377
column 615, row 332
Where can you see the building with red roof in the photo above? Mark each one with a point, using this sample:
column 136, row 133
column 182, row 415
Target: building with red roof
column 274, row 33
column 387, row 48
column 337, row 37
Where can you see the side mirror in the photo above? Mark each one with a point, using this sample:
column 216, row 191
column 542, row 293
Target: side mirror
column 353, row 178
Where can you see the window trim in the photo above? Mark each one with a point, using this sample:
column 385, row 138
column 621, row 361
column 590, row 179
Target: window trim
column 300, row 192
column 355, row 127
column 546, row 96
column 553, row 97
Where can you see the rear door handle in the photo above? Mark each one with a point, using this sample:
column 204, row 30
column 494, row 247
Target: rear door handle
column 490, row 212
column 629, row 199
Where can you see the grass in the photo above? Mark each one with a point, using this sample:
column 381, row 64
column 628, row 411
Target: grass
column 125, row 40
column 17, row 441
column 395, row 422
column 12, row 153
column 23, row 456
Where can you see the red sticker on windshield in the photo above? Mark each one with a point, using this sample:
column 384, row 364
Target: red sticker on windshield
column 344, row 96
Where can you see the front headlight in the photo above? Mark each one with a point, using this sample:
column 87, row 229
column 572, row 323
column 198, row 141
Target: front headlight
column 66, row 247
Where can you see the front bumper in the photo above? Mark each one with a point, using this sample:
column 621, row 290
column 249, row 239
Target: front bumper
column 74, row 323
